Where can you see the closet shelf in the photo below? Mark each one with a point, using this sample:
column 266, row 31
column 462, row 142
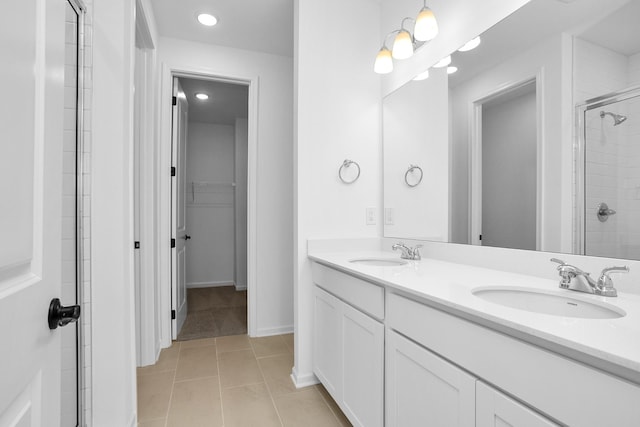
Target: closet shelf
column 212, row 184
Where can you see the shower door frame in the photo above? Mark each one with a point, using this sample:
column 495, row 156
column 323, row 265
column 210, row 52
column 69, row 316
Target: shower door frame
column 579, row 238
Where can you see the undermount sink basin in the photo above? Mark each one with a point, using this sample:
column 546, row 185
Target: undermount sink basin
column 547, row 302
column 379, row 262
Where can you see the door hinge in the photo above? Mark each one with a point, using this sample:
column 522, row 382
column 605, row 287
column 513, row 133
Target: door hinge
column 480, row 237
column 136, row 245
column 174, row 100
column 173, row 171
column 173, row 314
column 173, row 243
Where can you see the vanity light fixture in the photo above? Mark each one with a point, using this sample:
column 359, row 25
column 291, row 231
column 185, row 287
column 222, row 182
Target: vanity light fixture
column 202, row 96
column 404, row 44
column 443, row 62
column 451, row 70
column 470, row 45
column 422, row 76
column 207, row 19
column 426, row 28
column 384, row 62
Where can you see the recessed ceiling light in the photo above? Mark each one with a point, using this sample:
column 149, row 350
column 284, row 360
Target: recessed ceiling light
column 451, row 70
column 422, row 76
column 471, row 44
column 443, row 62
column 202, row 96
column 207, row 19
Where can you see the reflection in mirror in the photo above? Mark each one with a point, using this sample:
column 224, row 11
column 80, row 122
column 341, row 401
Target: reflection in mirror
column 407, row 113
column 517, row 107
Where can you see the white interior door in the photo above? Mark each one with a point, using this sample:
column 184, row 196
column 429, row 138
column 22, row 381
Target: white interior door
column 32, row 39
column 178, row 208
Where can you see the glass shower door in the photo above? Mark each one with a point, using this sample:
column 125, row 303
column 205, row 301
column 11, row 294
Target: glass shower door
column 612, row 178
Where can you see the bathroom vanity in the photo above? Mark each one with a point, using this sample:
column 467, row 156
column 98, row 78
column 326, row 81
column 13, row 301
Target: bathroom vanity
column 408, row 343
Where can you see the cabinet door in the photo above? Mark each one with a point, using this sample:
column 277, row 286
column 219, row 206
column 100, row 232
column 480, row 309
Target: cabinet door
column 327, row 349
column 425, row 390
column 494, row 409
column 363, row 368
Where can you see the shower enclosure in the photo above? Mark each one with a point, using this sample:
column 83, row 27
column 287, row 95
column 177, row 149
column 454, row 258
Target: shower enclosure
column 608, row 176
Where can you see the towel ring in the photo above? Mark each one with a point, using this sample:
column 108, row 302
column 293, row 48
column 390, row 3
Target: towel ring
column 411, row 169
column 346, row 164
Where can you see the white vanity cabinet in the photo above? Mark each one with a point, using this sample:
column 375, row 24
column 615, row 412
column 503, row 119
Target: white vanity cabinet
column 494, row 409
column 348, row 351
column 561, row 388
column 424, row 390
column 397, row 359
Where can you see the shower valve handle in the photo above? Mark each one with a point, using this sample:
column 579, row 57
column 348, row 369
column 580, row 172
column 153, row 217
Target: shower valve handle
column 604, row 212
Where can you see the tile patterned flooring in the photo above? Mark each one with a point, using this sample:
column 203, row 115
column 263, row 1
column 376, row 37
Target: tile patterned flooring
column 231, row 381
column 214, row 312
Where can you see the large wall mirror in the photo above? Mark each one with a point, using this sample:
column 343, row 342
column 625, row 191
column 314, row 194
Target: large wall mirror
column 531, row 140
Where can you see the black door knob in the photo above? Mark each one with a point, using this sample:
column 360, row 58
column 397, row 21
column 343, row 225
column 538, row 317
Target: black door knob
column 187, row 237
column 60, row 315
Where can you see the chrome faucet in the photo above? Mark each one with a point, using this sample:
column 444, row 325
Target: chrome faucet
column 584, row 282
column 407, row 251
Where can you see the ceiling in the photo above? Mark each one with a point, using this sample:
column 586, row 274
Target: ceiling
column 619, row 31
column 540, row 19
column 226, row 101
column 258, row 25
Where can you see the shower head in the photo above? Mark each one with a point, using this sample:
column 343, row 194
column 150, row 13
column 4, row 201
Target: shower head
column 617, row 118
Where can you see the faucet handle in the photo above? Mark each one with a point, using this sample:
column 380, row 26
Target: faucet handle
column 609, row 270
column 558, row 261
column 605, row 284
column 416, row 253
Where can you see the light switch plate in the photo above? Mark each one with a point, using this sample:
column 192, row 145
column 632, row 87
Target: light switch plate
column 371, row 216
column 388, row 216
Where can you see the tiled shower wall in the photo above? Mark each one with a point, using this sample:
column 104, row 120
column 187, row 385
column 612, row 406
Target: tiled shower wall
column 69, row 366
column 613, row 156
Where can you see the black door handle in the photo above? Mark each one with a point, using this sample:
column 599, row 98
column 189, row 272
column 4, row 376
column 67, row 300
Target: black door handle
column 60, row 315
column 187, row 237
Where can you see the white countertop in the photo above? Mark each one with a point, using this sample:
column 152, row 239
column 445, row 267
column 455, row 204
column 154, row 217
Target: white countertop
column 609, row 344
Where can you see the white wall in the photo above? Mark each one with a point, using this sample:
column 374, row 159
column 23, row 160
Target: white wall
column 337, row 117
column 210, row 204
column 274, row 193
column 112, row 329
column 241, row 161
column 415, row 120
column 459, row 21
column 546, row 62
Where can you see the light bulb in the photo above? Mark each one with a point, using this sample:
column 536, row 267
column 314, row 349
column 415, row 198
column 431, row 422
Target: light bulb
column 402, row 45
column 443, row 62
column 384, row 62
column 202, row 96
column 207, row 19
column 426, row 25
column 451, row 70
column 422, row 76
column 471, row 44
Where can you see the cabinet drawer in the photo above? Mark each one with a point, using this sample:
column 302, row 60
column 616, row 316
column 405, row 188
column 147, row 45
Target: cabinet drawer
column 361, row 294
column 563, row 389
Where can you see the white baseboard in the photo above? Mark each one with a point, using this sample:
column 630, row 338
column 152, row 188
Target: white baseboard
column 267, row 332
column 304, row 380
column 240, row 287
column 209, row 284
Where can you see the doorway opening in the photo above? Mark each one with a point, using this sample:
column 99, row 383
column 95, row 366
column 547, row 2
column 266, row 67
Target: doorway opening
column 209, row 207
column 73, row 388
column 505, row 168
